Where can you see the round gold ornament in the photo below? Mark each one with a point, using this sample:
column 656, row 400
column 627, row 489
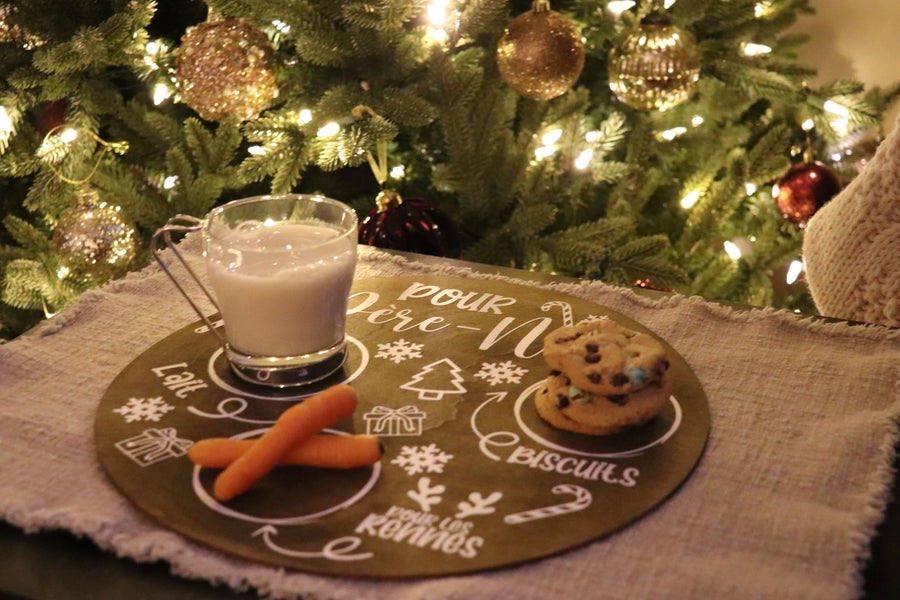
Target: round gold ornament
column 94, row 239
column 654, row 66
column 222, row 69
column 541, row 53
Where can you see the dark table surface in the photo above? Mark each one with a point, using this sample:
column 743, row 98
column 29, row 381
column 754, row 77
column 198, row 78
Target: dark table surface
column 59, row 566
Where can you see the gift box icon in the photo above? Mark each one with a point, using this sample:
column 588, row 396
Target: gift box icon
column 154, row 445
column 386, row 421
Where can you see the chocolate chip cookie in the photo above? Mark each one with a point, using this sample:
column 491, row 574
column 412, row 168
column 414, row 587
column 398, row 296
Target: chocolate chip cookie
column 602, row 357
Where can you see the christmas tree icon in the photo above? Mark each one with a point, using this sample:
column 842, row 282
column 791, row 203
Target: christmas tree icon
column 435, row 380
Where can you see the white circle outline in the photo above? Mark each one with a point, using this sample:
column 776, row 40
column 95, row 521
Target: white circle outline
column 214, row 377
column 228, row 512
column 540, row 440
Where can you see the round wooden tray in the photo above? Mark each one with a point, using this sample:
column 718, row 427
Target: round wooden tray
column 471, row 479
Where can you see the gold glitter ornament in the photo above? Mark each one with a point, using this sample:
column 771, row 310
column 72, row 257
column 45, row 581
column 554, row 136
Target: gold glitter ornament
column 12, row 32
column 222, row 69
column 655, row 66
column 94, row 239
column 541, row 53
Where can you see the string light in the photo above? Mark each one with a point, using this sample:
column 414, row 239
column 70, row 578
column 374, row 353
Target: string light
column 398, row 172
column 751, row 188
column 170, row 182
column 807, row 125
column 6, row 125
column 584, row 159
column 836, row 109
column 256, row 150
column 732, row 250
column 437, row 12
column 437, row 15
column 68, row 135
column 697, row 121
column 544, row 152
column 690, row 199
column 671, row 134
column 592, row 136
column 281, row 26
column 329, row 129
column 794, row 271
column 305, row 116
column 620, row 6
column 551, row 137
column 762, row 9
column 160, row 92
column 751, row 49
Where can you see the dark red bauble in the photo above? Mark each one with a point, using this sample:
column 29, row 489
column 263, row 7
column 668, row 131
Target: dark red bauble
column 51, row 117
column 411, row 225
column 804, row 189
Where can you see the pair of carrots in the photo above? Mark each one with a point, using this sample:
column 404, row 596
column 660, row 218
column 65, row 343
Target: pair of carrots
column 294, row 439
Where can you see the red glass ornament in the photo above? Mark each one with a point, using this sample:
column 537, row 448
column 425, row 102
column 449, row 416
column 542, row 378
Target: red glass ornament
column 51, row 117
column 411, row 225
column 804, row 189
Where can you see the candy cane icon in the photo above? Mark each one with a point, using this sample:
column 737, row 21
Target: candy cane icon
column 582, row 500
column 566, row 310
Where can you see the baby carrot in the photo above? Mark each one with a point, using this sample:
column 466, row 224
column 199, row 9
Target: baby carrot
column 326, row 451
column 298, row 423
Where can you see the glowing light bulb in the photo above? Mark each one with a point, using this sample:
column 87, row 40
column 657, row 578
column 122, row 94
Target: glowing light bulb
column 751, row 188
column 671, row 134
column 592, row 136
column 751, row 49
column 697, row 121
column 836, row 109
column 305, row 116
column 68, row 135
column 732, row 250
column 551, row 137
column 794, row 271
column 170, row 182
column 256, row 150
column 807, row 125
column 160, row 92
column 437, row 13
column 398, row 172
column 6, row 125
column 544, row 152
column 152, row 47
column 584, row 159
column 620, row 6
column 438, row 35
column 329, row 130
column 690, row 199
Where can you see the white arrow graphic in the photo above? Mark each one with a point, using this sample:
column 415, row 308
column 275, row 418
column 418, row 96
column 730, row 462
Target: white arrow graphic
column 337, row 550
column 506, row 438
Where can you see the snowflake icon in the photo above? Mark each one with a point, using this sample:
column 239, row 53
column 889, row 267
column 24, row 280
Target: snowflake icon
column 399, row 351
column 144, row 409
column 422, row 459
column 499, row 373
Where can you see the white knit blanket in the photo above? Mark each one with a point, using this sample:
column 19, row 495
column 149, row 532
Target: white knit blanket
column 782, row 505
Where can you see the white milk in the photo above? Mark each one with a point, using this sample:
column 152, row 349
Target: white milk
column 278, row 295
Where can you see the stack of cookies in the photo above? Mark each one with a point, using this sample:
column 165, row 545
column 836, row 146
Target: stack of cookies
column 604, row 378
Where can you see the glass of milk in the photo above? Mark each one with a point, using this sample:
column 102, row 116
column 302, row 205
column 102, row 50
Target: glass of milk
column 280, row 269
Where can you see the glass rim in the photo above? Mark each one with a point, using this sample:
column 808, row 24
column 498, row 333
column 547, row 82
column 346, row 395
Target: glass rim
column 347, row 214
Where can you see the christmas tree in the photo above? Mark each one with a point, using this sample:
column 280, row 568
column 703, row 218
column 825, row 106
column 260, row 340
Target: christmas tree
column 633, row 142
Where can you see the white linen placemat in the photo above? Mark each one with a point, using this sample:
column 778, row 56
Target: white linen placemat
column 783, row 504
